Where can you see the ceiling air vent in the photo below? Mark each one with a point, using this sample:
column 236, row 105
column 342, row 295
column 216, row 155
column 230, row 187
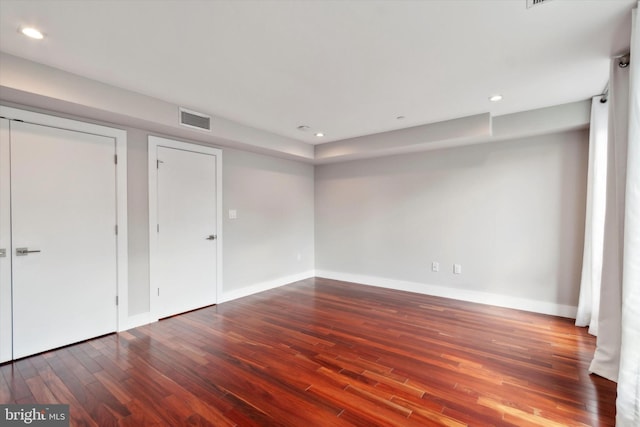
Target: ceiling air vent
column 195, row 120
column 531, row 3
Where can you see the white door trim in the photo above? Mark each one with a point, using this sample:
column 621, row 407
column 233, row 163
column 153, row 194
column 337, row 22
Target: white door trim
column 6, row 314
column 120, row 137
column 154, row 142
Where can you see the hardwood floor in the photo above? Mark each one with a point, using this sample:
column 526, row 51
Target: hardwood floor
column 327, row 353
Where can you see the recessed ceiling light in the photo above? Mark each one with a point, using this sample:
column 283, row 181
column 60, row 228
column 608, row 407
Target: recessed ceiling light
column 399, row 117
column 303, row 128
column 31, row 32
column 495, row 98
column 319, row 134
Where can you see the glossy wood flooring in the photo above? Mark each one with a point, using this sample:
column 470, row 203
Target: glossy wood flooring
column 327, row 353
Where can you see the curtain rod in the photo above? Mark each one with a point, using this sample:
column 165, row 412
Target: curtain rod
column 623, row 62
column 605, row 94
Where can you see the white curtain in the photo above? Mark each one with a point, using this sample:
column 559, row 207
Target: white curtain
column 606, row 360
column 589, row 303
column 628, row 401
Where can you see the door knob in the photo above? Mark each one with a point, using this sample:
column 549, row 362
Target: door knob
column 211, row 237
column 24, row 251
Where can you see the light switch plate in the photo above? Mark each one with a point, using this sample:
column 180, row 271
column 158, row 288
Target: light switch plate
column 233, row 214
column 457, row 269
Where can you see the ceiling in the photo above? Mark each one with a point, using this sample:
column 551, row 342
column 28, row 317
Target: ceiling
column 344, row 68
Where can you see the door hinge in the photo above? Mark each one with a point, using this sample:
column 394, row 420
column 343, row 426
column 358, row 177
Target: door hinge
column 115, row 159
column 116, row 229
column 117, row 300
column 158, row 228
column 158, row 291
column 158, row 163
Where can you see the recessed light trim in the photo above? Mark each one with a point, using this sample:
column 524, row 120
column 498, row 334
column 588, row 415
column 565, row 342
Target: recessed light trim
column 400, row 118
column 31, row 32
column 303, row 128
column 319, row 134
column 495, row 98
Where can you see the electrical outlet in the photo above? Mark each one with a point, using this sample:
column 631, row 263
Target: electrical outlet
column 457, row 269
column 435, row 266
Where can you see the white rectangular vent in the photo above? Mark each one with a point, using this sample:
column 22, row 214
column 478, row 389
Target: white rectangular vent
column 531, row 3
column 195, row 120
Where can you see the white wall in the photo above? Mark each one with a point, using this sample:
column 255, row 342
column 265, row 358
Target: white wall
column 512, row 213
column 138, row 220
column 274, row 201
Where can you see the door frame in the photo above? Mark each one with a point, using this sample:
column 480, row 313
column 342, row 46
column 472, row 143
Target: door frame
column 154, row 143
column 6, row 290
column 120, row 138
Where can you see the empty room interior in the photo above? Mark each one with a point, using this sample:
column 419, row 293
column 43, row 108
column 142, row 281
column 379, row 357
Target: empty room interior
column 320, row 213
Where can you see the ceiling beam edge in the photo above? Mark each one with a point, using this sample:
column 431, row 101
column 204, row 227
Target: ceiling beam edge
column 416, row 138
column 478, row 129
column 40, row 86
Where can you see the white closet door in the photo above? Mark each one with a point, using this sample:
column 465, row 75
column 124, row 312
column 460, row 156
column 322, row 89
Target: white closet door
column 186, row 236
column 63, row 205
column 5, row 245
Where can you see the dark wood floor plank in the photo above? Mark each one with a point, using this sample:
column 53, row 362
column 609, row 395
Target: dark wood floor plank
column 40, row 391
column 77, row 411
column 141, row 416
column 326, row 353
column 17, row 387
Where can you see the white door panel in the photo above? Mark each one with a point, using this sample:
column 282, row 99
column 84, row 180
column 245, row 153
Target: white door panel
column 186, row 265
column 63, row 203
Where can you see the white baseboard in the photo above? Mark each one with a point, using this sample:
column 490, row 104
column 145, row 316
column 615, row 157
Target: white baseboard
column 456, row 293
column 401, row 285
column 264, row 286
column 136, row 320
column 146, row 318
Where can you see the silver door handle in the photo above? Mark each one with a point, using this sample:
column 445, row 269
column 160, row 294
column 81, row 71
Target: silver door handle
column 24, row 251
column 211, row 237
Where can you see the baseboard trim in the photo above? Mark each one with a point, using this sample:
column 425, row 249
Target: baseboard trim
column 401, row 285
column 136, row 321
column 146, row 318
column 264, row 286
column 456, row 293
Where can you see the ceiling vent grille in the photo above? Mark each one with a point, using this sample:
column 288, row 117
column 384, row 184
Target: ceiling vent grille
column 195, row 120
column 531, row 3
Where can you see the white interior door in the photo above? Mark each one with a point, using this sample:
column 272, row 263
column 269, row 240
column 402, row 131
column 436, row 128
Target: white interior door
column 187, row 242
column 63, row 206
